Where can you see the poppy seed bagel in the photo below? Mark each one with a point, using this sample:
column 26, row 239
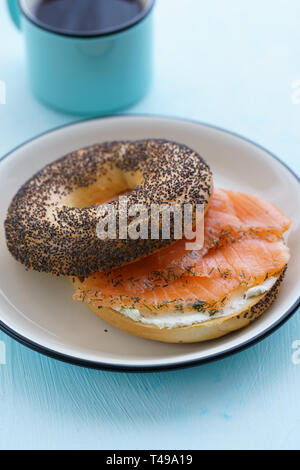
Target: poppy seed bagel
column 51, row 221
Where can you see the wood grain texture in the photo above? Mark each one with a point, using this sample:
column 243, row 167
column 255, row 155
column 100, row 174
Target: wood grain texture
column 216, row 70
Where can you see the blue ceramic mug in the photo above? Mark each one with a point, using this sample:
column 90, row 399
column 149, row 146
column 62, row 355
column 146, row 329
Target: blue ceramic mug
column 87, row 74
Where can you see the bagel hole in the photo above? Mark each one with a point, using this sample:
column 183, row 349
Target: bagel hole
column 105, row 190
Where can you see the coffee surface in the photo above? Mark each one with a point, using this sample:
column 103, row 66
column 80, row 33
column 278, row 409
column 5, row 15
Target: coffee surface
column 86, row 16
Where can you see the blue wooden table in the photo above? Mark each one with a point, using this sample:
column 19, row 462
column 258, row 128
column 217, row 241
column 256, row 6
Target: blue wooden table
column 233, row 64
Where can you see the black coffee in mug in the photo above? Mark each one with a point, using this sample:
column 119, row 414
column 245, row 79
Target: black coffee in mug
column 84, row 17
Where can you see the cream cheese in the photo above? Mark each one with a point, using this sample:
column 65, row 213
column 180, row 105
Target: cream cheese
column 261, row 288
column 238, row 301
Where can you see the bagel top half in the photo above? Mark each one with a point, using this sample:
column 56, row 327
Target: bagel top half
column 51, row 222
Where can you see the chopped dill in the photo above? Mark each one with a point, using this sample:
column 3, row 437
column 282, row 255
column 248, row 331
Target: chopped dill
column 213, row 312
column 199, row 306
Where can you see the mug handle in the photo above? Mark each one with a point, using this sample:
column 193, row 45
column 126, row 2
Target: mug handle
column 14, row 11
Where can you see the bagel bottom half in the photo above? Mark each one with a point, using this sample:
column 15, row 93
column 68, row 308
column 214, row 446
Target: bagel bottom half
column 203, row 331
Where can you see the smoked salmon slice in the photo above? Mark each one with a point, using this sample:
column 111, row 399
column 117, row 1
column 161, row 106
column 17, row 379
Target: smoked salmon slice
column 245, row 263
column 231, row 217
column 234, row 212
column 243, row 247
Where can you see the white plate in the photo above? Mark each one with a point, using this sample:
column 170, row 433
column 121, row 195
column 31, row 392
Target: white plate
column 37, row 309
